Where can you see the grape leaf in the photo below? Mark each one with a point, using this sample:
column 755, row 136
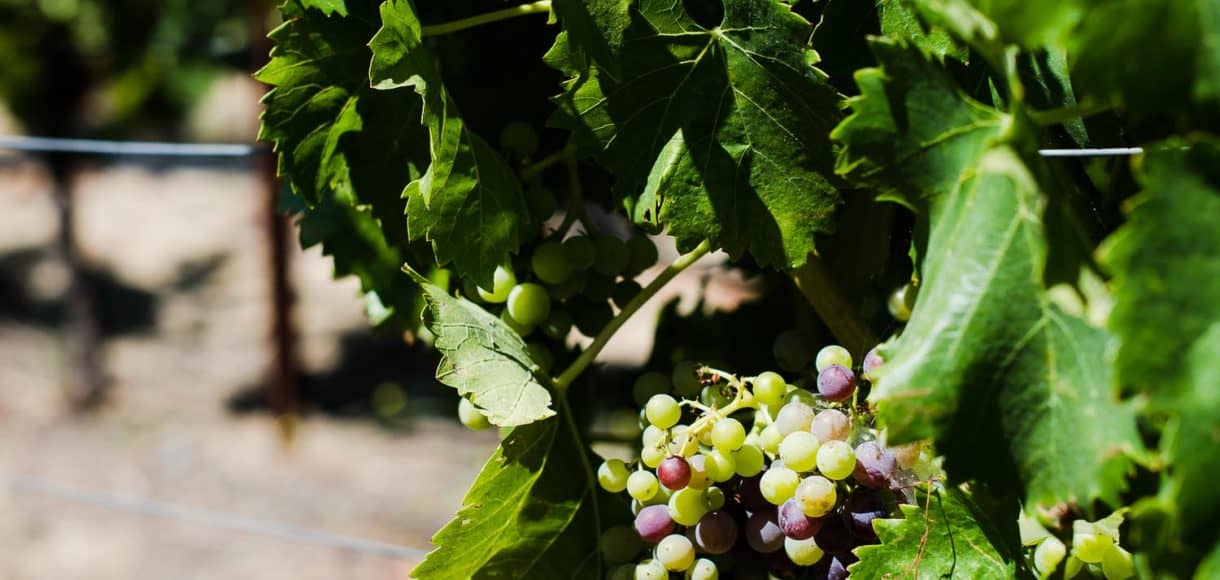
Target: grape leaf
column 346, row 150
column 946, row 536
column 722, row 129
column 1029, row 23
column 532, row 512
column 467, row 187
column 1166, row 266
column 328, row 7
column 484, row 359
column 899, row 21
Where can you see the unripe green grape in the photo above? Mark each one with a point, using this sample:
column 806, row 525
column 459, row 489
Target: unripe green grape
column 625, row 292
column 836, row 459
column 675, row 552
column 686, row 379
column 802, row 396
column 799, row 451
column 1090, row 547
column 590, row 317
column 520, row 138
column 503, row 281
column 833, row 355
column 598, row 288
column 557, row 325
column 642, row 485
column 704, row 569
column 612, row 475
column 899, row 305
column 575, row 284
column 717, row 396
column 1048, row 555
column 769, row 388
column 714, row 497
column 622, row 572
column 550, row 262
column 728, row 435
column 619, row 544
column 582, row 252
column 642, row 254
column 1117, row 564
column 649, row 384
column 793, row 417
column 778, row 484
column 653, row 436
column 471, row 416
column 816, row 496
column 521, row 329
column 749, row 460
column 651, row 457
column 803, row 552
column 687, row 505
column 611, row 255
column 663, row 411
column 771, row 439
column 699, row 478
column 529, row 304
column 651, row 570
column 541, row 355
column 720, row 466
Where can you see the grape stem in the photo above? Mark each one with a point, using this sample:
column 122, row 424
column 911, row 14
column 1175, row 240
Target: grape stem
column 576, row 200
column 564, row 380
column 533, row 169
column 743, row 400
column 486, row 18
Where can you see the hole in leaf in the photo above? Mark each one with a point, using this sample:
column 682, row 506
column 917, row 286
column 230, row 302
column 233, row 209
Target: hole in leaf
column 706, row 13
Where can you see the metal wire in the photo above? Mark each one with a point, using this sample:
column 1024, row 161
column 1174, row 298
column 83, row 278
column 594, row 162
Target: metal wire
column 1100, row 152
column 206, row 517
column 134, row 148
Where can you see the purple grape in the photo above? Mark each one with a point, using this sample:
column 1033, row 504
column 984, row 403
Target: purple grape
column 751, row 496
column 653, row 523
column 674, row 472
column 836, row 383
column 834, row 537
column 838, row 568
column 860, row 509
column 872, row 362
column 716, row 532
column 875, row 465
column 795, row 524
column 763, row 533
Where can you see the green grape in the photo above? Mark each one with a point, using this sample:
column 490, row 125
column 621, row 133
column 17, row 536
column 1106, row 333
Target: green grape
column 699, row 478
column 620, row 544
column 769, row 388
column 529, row 304
column 687, row 505
column 649, row 384
column 778, row 484
column 728, row 435
column 611, row 255
column 521, row 329
column 597, row 288
column 720, row 466
column 1090, row 547
column 793, row 417
column 624, row 292
column 686, row 379
column 575, row 284
column 503, row 281
column 582, row 252
column 653, row 436
column 1117, row 564
column 816, row 496
column 557, row 325
column 471, row 416
column 642, row 485
column 651, row 457
column 541, row 355
column 714, row 497
column 520, row 138
column 541, row 201
column 612, row 475
column 832, row 355
column 898, row 304
column 703, row 569
column 622, row 572
column 663, row 411
column 799, row 451
column 1048, row 555
column 651, row 570
column 675, row 552
column 803, row 552
column 799, row 395
column 771, row 439
column 550, row 262
column 642, row 254
column 717, row 396
column 749, row 460
column 836, row 459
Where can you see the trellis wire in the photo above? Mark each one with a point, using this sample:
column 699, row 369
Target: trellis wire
column 210, row 518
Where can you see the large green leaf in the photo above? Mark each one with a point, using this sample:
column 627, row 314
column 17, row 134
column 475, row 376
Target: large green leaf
column 715, row 133
column 467, row 187
column 346, row 150
column 484, row 359
column 1030, row 23
column 532, row 512
column 945, row 536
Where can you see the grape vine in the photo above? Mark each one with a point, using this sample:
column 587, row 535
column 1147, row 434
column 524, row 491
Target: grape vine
column 956, row 358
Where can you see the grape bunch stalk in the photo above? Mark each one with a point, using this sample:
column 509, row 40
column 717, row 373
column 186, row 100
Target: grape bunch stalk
column 748, row 475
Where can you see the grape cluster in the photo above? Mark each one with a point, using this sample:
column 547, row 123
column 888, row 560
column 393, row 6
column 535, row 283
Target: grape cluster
column 1094, row 546
column 572, row 282
column 755, row 474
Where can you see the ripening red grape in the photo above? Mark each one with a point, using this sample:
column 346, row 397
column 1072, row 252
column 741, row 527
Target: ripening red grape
column 837, row 383
column 674, row 472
